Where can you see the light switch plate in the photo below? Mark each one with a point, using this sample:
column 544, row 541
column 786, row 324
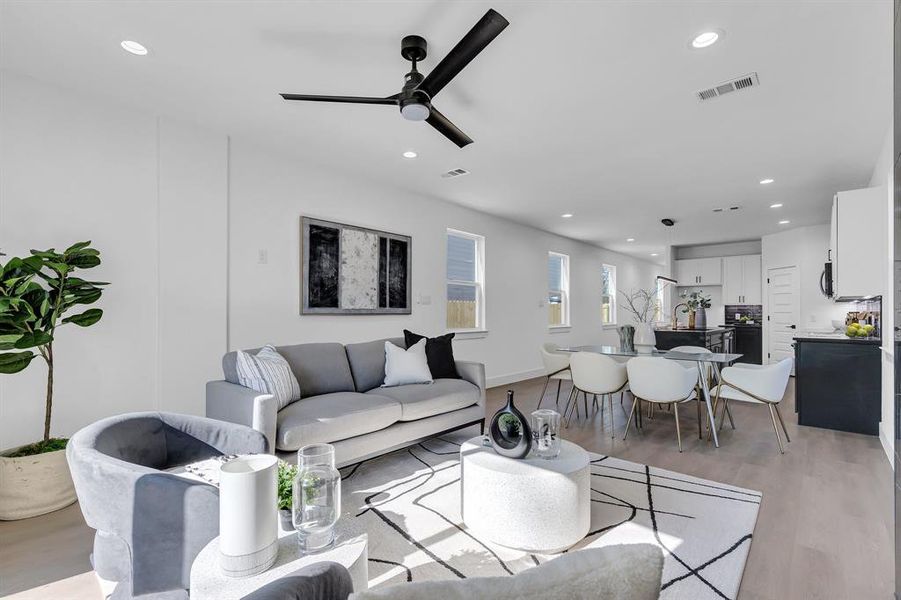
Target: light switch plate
column 262, row 256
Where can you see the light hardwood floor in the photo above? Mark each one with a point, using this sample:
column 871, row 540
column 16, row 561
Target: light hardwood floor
column 824, row 529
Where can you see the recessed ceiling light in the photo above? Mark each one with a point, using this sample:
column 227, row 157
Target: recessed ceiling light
column 409, row 154
column 566, row 215
column 777, row 205
column 766, row 181
column 784, row 222
column 630, row 239
column 653, row 254
column 134, row 47
column 702, row 40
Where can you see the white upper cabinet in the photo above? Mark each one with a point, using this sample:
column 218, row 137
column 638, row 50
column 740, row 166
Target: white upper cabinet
column 858, row 243
column 741, row 280
column 699, row 271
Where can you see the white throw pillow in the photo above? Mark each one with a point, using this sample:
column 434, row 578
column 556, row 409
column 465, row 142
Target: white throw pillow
column 268, row 372
column 406, row 366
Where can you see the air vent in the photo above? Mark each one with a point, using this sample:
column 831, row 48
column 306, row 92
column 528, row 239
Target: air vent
column 455, row 173
column 727, row 87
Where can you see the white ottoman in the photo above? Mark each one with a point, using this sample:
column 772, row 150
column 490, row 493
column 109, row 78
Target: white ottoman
column 530, row 504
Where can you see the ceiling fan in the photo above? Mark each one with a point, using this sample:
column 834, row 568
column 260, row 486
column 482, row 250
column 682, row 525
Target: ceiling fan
column 415, row 99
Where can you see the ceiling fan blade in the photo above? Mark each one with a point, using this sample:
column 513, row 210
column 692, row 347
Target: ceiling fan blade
column 390, row 100
column 482, row 33
column 447, row 129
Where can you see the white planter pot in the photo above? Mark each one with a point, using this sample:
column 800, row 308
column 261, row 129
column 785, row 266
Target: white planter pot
column 645, row 340
column 34, row 485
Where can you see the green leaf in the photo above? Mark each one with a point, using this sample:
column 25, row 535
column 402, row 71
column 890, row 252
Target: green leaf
column 77, row 246
column 13, row 362
column 8, row 340
column 87, row 296
column 32, row 340
column 84, row 261
column 85, row 319
column 59, row 267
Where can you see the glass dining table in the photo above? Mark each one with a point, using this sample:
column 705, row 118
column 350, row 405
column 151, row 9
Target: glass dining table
column 714, row 359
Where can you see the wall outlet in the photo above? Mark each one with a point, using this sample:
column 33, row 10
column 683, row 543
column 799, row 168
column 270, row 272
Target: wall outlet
column 425, row 300
column 262, row 256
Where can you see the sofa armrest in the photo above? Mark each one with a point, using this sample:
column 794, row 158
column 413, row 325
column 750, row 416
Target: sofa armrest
column 237, row 404
column 474, row 373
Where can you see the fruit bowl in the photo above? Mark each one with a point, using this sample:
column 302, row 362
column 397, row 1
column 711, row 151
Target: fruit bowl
column 838, row 324
column 856, row 330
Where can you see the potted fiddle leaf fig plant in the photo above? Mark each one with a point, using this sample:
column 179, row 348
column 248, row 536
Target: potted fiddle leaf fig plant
column 40, row 294
column 696, row 305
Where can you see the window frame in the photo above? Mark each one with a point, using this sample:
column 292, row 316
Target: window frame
column 478, row 284
column 614, row 305
column 663, row 298
column 564, row 293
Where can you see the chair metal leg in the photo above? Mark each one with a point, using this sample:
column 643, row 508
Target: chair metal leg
column 585, row 399
column 612, row 422
column 678, row 430
column 569, row 406
column 728, row 413
column 700, row 425
column 543, row 392
column 776, row 428
column 725, row 411
column 635, row 402
column 559, row 383
column 784, row 430
column 595, row 406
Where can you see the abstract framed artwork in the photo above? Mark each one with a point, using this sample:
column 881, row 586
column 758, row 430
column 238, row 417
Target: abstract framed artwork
column 350, row 270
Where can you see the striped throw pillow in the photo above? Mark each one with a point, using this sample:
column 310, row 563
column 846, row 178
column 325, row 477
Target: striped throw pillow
column 268, row 372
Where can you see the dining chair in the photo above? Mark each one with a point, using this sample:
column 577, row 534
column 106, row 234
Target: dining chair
column 660, row 381
column 598, row 375
column 556, row 367
column 762, row 384
column 708, row 372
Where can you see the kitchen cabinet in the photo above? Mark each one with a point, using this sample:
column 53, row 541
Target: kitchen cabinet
column 749, row 343
column 699, row 271
column 741, row 280
column 838, row 385
column 857, row 243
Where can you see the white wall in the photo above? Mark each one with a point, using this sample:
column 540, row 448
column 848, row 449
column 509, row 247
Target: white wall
column 149, row 193
column 179, row 215
column 804, row 247
column 883, row 176
column 269, row 194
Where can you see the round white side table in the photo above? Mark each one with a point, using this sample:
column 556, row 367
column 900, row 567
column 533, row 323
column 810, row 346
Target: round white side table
column 350, row 550
column 531, row 504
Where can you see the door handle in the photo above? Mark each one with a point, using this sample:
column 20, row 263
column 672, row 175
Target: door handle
column 792, row 326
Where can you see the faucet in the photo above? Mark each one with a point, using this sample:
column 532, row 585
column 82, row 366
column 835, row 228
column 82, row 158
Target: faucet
column 675, row 322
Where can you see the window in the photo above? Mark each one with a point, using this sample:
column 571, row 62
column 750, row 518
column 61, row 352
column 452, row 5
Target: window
column 608, row 295
column 661, row 308
column 465, row 281
column 558, row 289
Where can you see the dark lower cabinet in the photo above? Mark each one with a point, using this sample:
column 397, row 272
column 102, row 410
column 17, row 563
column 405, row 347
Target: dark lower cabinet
column 838, row 385
column 749, row 343
column 719, row 339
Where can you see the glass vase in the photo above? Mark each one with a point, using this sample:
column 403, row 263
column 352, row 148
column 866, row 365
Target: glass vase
column 546, row 433
column 316, row 497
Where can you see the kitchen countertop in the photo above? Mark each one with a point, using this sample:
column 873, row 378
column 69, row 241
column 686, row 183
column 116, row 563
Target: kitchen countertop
column 833, row 338
column 745, row 325
column 696, row 330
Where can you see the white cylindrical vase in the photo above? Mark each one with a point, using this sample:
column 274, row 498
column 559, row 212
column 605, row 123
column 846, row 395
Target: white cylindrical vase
column 248, row 515
column 645, row 340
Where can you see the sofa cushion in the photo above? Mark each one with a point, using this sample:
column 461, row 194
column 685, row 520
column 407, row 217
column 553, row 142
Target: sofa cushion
column 367, row 362
column 268, row 372
column 422, row 400
column 332, row 417
column 320, row 368
column 627, row 571
column 439, row 351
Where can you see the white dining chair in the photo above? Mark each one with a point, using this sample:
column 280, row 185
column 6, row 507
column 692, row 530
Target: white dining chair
column 763, row 384
column 598, row 375
column 661, row 381
column 708, row 372
column 556, row 367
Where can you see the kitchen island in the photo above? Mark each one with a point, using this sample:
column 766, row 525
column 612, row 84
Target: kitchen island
column 715, row 339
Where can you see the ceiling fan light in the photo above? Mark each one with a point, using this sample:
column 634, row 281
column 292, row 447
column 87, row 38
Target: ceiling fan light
column 415, row 111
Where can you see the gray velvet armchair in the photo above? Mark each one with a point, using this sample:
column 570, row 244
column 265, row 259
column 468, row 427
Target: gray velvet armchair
column 151, row 524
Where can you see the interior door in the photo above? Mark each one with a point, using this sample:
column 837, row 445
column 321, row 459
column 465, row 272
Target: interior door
column 783, row 312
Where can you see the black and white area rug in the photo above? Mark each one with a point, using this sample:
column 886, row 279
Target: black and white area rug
column 409, row 504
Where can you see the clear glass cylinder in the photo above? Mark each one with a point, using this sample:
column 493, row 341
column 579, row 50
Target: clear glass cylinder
column 316, row 504
column 546, row 433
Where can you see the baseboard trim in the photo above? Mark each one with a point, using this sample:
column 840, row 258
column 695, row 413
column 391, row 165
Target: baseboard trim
column 887, row 446
column 513, row 377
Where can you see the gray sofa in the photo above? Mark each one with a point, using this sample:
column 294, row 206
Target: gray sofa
column 150, row 524
column 343, row 404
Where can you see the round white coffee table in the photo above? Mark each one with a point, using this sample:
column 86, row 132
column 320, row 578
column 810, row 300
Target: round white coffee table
column 350, row 550
column 531, row 504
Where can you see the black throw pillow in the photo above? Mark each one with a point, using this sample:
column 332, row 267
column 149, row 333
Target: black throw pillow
column 439, row 353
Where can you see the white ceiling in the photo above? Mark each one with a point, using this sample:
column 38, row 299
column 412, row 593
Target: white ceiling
column 576, row 107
